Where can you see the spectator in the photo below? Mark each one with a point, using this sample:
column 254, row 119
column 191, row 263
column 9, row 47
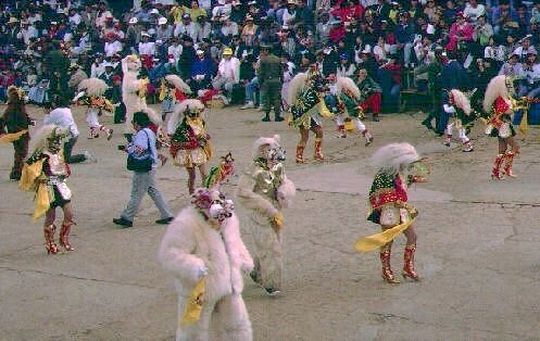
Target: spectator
column 228, row 73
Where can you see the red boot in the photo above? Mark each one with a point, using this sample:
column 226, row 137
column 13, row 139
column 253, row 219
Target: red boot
column 64, row 235
column 387, row 274
column 408, row 266
column 300, row 154
column 318, row 149
column 496, row 171
column 50, row 246
column 509, row 161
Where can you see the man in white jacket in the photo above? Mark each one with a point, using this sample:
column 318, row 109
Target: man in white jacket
column 228, row 73
column 204, row 242
column 265, row 190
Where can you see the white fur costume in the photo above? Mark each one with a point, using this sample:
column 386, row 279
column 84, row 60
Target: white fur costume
column 130, row 91
column 192, row 245
column 265, row 190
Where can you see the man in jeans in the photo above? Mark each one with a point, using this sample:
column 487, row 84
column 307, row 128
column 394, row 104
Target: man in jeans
column 141, row 147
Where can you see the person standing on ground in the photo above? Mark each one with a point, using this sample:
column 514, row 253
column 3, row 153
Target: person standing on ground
column 143, row 146
column 16, row 120
column 270, row 74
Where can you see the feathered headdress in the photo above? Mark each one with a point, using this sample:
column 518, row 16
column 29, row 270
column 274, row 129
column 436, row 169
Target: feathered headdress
column 296, row 85
column 461, row 101
column 221, row 173
column 182, row 108
column 393, row 157
column 346, row 83
column 498, row 86
column 178, row 83
column 93, row 86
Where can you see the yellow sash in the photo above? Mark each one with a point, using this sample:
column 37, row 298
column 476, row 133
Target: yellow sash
column 12, row 137
column 375, row 241
column 192, row 312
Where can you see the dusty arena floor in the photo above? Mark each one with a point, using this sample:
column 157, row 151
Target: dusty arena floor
column 478, row 249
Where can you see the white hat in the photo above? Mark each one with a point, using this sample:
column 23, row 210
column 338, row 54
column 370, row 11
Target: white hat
column 145, row 34
column 154, row 11
column 162, row 21
column 133, row 20
column 199, row 51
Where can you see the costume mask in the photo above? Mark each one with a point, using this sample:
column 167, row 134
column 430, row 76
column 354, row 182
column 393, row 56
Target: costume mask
column 212, row 204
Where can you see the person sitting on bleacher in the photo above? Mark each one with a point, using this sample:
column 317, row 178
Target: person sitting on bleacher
column 370, row 93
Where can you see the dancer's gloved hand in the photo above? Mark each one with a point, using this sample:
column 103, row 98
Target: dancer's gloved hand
column 277, row 221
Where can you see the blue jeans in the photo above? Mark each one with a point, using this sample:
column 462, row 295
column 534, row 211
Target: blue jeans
column 251, row 90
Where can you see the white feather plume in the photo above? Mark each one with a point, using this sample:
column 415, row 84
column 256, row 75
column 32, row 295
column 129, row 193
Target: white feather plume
column 296, row 85
column 495, row 88
column 39, row 138
column 393, row 157
column 178, row 83
column 175, row 117
column 347, row 83
column 93, row 86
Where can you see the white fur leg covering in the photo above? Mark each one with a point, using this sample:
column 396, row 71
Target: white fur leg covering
column 230, row 320
column 286, row 193
column 268, row 253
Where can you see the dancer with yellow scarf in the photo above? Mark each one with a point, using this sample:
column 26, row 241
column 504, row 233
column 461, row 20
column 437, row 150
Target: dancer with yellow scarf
column 399, row 165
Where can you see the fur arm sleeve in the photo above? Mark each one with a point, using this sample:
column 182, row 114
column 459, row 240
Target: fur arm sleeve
column 176, row 250
column 286, row 193
column 238, row 249
column 252, row 200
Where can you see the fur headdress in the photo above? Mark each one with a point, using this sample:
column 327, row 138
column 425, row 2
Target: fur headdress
column 15, row 94
column 131, row 63
column 182, row 108
column 93, row 87
column 178, row 83
column 296, row 85
column 393, row 157
column 498, row 86
column 346, row 83
column 461, row 101
column 262, row 141
column 46, row 133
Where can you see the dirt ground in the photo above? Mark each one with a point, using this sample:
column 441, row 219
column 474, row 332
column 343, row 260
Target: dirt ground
column 477, row 252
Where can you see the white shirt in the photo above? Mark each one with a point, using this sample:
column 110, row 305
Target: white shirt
column 473, row 13
column 175, row 51
column 62, row 117
column 112, row 48
column 148, row 48
column 230, row 69
column 75, row 19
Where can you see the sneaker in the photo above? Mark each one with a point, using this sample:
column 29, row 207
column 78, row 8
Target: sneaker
column 272, row 292
column 122, row 222
column 165, row 221
column 248, row 105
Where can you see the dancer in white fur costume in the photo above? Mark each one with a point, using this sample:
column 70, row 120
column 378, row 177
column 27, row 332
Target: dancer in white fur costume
column 458, row 107
column 92, row 94
column 203, row 245
column 348, row 104
column 265, row 190
column 133, row 90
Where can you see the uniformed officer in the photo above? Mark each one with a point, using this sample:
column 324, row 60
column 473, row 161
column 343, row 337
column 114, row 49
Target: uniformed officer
column 270, row 74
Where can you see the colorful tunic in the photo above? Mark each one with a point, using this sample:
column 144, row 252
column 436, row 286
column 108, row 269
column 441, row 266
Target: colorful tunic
column 500, row 122
column 388, row 190
column 349, row 105
column 190, row 145
column 309, row 106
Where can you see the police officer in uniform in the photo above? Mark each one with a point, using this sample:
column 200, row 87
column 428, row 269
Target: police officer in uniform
column 270, row 74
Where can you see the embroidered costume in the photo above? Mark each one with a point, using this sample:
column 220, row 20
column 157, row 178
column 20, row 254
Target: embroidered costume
column 189, row 141
column 349, row 109
column 265, row 191
column 307, row 108
column 45, row 172
column 458, row 107
column 499, row 104
column 399, row 165
column 203, row 250
column 92, row 94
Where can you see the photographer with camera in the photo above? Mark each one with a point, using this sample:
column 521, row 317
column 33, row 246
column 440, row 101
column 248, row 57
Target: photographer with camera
column 142, row 160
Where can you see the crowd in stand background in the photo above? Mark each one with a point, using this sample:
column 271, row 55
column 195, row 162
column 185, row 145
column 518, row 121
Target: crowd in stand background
column 401, row 44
